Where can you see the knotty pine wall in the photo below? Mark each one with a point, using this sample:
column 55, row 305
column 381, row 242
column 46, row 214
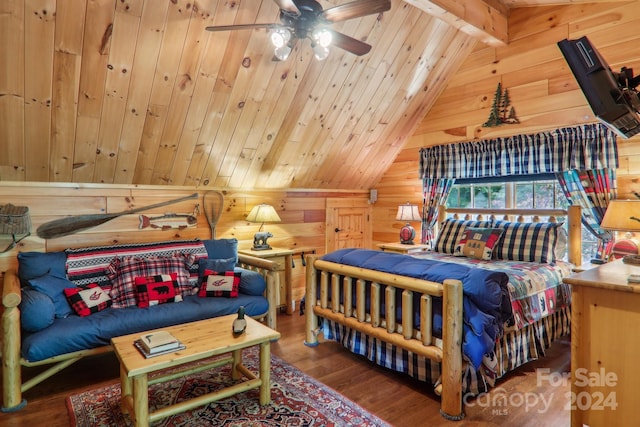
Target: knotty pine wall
column 302, row 213
column 542, row 89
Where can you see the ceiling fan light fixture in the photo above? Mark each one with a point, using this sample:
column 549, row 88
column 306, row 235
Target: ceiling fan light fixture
column 280, row 37
column 320, row 52
column 282, row 52
column 323, row 37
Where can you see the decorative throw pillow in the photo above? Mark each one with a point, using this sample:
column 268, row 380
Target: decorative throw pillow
column 478, row 242
column 222, row 248
column 251, row 282
column 158, row 289
column 223, row 284
column 36, row 310
column 451, row 230
column 217, row 264
column 123, row 272
column 88, row 299
column 37, row 264
column 526, row 241
column 562, row 243
column 53, row 287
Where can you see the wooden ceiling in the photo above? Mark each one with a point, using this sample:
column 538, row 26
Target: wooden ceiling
column 137, row 92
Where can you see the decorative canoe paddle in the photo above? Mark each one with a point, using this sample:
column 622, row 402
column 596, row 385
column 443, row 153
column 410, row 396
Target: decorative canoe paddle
column 73, row 224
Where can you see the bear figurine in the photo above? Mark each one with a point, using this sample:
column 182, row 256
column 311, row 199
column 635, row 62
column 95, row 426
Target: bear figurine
column 260, row 241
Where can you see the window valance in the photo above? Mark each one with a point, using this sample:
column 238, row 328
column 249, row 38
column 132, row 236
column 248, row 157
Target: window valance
column 585, row 147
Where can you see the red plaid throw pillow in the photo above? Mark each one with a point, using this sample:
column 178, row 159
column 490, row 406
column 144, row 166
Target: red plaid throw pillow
column 216, row 284
column 158, row 289
column 123, row 272
column 88, row 299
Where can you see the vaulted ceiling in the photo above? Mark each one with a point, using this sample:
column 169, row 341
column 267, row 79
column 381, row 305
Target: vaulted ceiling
column 138, row 92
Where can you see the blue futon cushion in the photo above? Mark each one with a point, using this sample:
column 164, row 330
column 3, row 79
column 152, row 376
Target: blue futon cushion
column 36, row 310
column 76, row 333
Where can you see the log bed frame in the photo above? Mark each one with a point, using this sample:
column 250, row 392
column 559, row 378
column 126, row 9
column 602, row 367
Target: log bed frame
column 383, row 326
column 12, row 360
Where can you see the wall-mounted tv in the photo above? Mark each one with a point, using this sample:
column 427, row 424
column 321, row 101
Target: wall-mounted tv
column 612, row 96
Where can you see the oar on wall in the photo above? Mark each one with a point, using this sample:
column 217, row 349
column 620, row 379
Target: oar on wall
column 72, row 224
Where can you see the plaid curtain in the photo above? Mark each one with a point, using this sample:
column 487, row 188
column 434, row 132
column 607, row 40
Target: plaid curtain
column 591, row 190
column 584, row 159
column 435, row 193
column 591, row 146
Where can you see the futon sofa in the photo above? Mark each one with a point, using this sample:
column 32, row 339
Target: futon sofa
column 62, row 306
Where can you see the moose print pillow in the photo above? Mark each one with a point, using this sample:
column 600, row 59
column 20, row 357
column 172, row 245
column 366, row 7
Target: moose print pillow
column 158, row 289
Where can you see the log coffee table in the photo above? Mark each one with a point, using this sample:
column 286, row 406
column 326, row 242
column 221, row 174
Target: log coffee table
column 202, row 339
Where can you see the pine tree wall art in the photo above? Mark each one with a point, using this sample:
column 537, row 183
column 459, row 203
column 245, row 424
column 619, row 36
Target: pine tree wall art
column 501, row 110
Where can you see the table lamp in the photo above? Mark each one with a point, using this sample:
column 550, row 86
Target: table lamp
column 262, row 213
column 623, row 215
column 408, row 213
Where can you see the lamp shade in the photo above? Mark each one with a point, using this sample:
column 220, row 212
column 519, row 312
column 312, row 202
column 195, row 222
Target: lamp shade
column 622, row 215
column 263, row 213
column 408, row 213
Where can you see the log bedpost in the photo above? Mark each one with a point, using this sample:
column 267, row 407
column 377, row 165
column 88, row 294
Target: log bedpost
column 574, row 244
column 311, row 339
column 451, row 406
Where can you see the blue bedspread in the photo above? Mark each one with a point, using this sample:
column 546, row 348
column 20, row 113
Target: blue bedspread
column 486, row 304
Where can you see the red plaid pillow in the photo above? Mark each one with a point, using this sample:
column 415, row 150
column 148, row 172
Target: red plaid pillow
column 216, row 284
column 158, row 289
column 88, row 299
column 123, row 272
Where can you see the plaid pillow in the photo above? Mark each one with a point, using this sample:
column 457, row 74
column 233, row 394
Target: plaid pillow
column 123, row 272
column 478, row 242
column 526, row 241
column 216, row 284
column 158, row 289
column 88, row 299
column 451, row 230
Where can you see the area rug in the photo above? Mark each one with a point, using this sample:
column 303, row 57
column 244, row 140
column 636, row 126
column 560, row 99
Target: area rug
column 296, row 400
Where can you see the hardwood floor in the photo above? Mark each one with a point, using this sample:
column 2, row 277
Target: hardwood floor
column 395, row 398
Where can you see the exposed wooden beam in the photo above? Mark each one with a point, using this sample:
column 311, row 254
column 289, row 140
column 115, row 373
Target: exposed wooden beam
column 484, row 19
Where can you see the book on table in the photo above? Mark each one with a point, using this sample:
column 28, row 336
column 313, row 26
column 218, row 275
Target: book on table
column 159, row 342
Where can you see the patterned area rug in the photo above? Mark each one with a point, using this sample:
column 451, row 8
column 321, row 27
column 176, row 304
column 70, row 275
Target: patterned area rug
column 296, row 400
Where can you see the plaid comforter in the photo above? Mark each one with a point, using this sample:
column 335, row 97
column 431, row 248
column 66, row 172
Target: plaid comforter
column 536, row 290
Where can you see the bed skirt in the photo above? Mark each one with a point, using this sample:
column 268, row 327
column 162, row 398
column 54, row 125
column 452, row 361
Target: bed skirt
column 513, row 349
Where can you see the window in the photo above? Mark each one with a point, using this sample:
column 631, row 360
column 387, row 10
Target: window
column 545, row 194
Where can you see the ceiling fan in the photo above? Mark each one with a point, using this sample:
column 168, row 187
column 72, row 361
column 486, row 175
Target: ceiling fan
column 301, row 19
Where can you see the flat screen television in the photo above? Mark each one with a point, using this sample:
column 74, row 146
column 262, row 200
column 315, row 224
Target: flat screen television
column 612, row 96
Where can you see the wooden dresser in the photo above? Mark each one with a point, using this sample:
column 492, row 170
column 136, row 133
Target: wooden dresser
column 605, row 346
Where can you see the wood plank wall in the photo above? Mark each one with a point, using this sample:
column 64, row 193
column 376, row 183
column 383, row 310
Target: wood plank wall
column 302, row 213
column 542, row 89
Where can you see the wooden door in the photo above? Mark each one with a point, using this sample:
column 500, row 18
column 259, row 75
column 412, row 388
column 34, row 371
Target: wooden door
column 348, row 224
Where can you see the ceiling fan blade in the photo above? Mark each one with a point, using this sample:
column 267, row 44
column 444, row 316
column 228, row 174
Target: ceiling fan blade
column 241, row 27
column 356, row 9
column 288, row 5
column 349, row 44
